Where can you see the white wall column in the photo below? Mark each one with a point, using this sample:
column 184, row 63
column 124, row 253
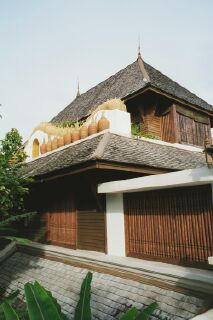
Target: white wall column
column 115, row 224
column 210, row 259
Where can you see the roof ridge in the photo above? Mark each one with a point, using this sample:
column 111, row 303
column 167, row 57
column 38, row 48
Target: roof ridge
column 145, row 74
column 98, row 153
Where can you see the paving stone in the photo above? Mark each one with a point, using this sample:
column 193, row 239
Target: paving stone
column 111, row 295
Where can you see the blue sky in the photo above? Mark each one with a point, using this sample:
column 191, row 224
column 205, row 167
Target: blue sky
column 45, row 45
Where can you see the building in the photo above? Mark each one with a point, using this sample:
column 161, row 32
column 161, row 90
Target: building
column 171, row 220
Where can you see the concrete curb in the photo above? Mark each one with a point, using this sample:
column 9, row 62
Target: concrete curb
column 199, row 282
column 8, row 251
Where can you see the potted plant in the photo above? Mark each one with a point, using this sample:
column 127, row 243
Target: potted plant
column 103, row 123
column 93, row 127
column 83, row 131
column 54, row 143
column 49, row 144
column 67, row 137
column 43, row 147
column 75, row 132
column 60, row 141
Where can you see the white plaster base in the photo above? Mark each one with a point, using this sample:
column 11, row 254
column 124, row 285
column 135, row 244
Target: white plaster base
column 204, row 316
column 210, row 260
column 120, row 122
column 115, row 225
column 183, row 178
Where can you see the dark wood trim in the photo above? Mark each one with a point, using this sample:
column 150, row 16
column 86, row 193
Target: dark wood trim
column 93, row 187
column 62, row 173
column 103, row 165
column 105, row 224
column 174, row 122
column 130, row 168
column 55, row 243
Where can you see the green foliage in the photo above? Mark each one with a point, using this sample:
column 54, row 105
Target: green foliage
column 66, row 124
column 40, row 304
column 11, row 145
column 83, row 311
column 9, row 312
column 11, row 299
column 134, row 314
column 131, row 314
column 146, row 312
column 13, row 186
column 135, row 130
column 70, row 124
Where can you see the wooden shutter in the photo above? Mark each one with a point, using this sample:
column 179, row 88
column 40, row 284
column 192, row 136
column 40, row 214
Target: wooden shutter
column 91, row 230
column 173, row 225
column 61, row 223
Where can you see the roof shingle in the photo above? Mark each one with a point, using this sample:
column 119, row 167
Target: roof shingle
column 114, row 148
column 122, row 84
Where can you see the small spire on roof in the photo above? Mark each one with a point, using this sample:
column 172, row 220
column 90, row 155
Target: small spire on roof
column 78, row 90
column 141, row 64
column 139, row 46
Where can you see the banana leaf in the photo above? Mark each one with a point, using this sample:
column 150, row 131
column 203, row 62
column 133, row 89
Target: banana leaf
column 83, row 310
column 39, row 304
column 146, row 312
column 11, row 299
column 54, row 300
column 131, row 314
column 9, row 312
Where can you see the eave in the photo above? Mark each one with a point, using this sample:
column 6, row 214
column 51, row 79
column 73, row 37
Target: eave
column 100, row 164
column 150, row 88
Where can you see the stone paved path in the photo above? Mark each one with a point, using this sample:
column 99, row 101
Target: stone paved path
column 110, row 295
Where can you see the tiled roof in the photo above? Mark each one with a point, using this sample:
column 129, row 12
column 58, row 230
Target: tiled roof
column 121, row 85
column 115, row 148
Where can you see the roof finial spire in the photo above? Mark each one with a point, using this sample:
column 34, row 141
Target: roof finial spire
column 139, row 46
column 141, row 63
column 78, row 90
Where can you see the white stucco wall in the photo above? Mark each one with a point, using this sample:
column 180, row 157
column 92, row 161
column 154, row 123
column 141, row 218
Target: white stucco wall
column 182, row 178
column 208, row 315
column 210, row 259
column 120, row 122
column 115, row 225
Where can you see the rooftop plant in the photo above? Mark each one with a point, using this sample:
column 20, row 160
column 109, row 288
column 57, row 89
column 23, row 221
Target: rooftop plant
column 135, row 130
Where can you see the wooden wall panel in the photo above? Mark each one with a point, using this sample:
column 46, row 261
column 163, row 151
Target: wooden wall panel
column 91, row 231
column 191, row 131
column 61, row 223
column 169, row 131
column 151, row 125
column 150, row 122
column 172, row 225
